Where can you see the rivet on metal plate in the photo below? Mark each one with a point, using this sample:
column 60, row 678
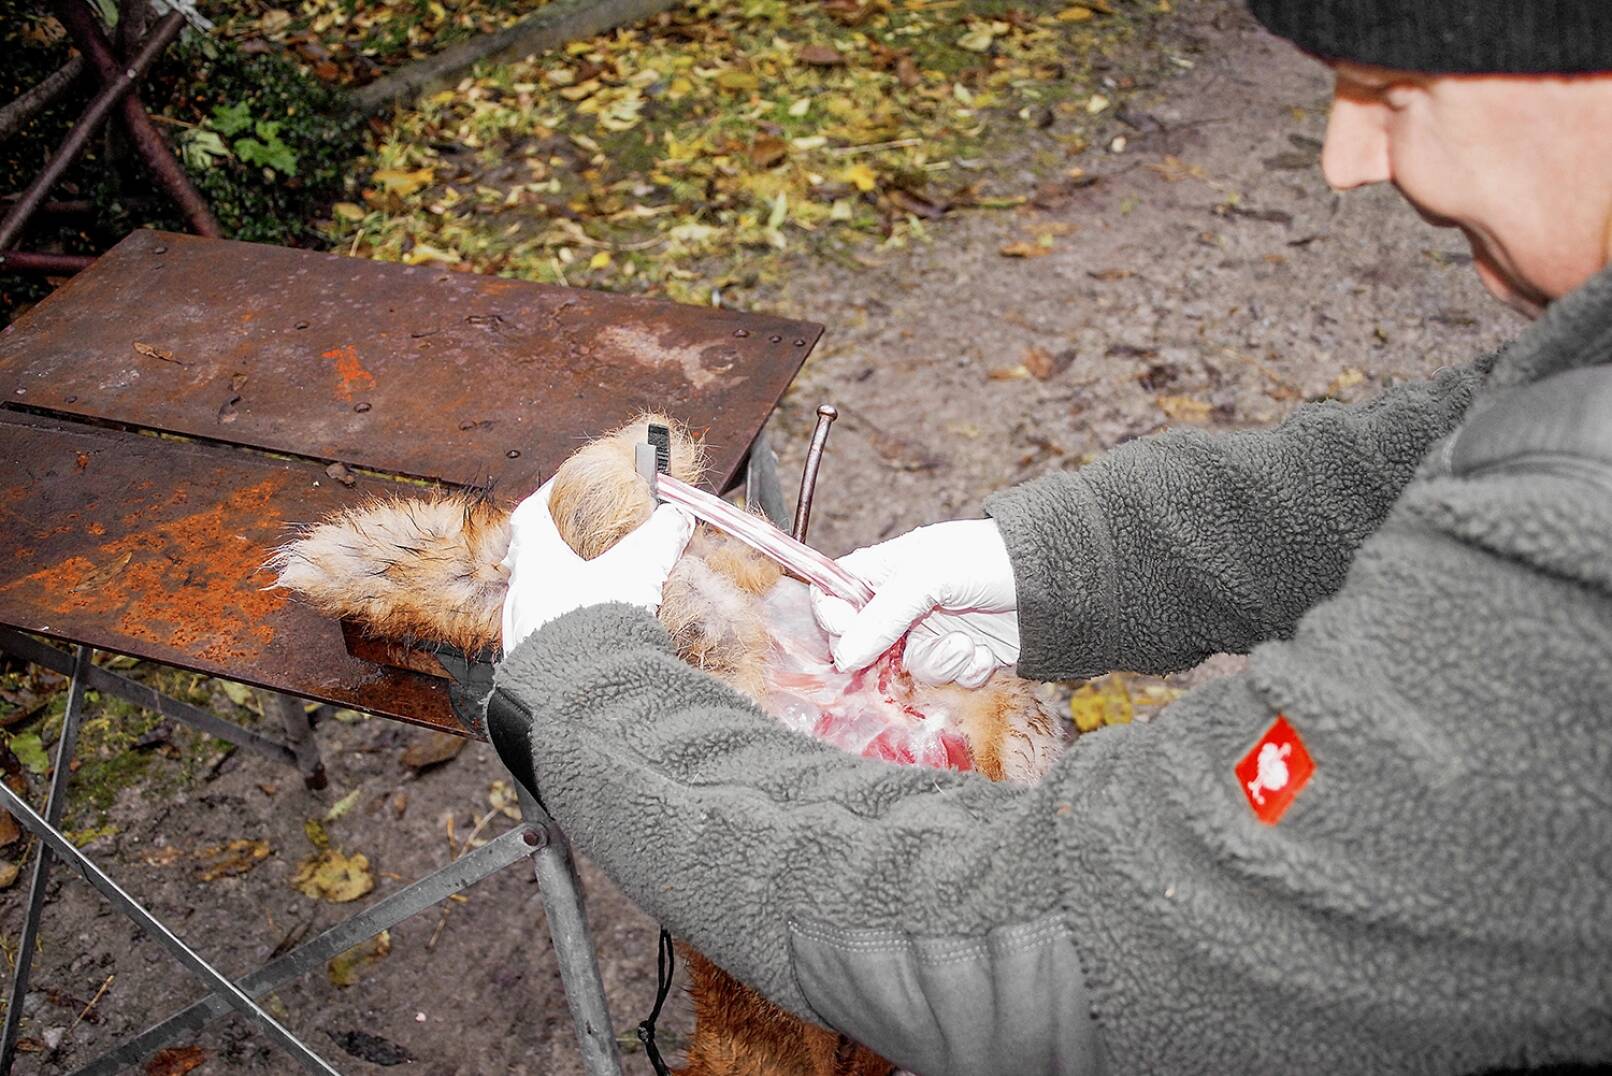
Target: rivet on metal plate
column 741, row 332
column 360, row 407
column 513, row 454
column 302, row 325
column 776, row 339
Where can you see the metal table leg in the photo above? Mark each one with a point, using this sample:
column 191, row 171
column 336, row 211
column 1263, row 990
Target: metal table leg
column 54, row 805
column 461, row 874
column 298, row 735
column 43, row 654
column 761, row 486
column 53, row 843
column 573, row 945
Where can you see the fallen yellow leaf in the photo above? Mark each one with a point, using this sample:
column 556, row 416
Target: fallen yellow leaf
column 1026, row 250
column 861, row 176
column 1104, row 701
column 1183, row 408
column 344, row 969
column 401, row 183
column 227, row 860
column 331, row 875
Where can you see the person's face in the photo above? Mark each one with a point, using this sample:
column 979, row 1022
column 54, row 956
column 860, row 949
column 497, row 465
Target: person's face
column 1521, row 164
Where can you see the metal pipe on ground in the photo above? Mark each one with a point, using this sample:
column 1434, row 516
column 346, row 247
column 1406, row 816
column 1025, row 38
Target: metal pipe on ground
column 115, row 90
column 550, row 27
column 25, row 261
column 87, row 34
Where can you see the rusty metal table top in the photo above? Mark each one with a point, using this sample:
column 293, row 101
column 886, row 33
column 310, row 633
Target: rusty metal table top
column 167, row 415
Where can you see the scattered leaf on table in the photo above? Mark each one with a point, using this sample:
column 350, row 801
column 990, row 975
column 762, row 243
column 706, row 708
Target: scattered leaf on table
column 9, row 829
column 30, row 751
column 1183, row 408
column 231, row 858
column 342, row 473
column 431, row 749
column 156, row 353
column 1100, row 702
column 1017, row 372
column 331, row 875
column 175, row 1061
column 8, row 874
column 103, row 575
column 314, row 830
column 346, row 969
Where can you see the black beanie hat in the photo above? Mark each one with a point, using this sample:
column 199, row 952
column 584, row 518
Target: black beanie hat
column 1513, row 37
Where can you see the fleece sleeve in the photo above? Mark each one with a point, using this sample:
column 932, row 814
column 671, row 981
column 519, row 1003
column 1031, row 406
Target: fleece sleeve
column 1189, row 543
column 916, row 910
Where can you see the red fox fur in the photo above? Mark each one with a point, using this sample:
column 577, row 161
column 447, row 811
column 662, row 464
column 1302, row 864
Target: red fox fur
column 427, row 568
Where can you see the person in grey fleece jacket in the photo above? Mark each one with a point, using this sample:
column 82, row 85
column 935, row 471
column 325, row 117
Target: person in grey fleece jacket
column 1386, row 846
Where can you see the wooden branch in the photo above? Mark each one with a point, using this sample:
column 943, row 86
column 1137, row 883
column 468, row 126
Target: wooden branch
column 549, row 27
column 14, row 116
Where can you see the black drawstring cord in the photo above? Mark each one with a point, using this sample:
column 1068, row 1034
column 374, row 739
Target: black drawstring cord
column 665, row 962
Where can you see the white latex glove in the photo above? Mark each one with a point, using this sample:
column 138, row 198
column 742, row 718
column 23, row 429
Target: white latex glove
column 547, row 579
column 950, row 584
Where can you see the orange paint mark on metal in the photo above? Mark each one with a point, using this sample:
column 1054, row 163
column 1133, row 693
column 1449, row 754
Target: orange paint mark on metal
column 96, row 529
column 214, row 608
column 349, row 371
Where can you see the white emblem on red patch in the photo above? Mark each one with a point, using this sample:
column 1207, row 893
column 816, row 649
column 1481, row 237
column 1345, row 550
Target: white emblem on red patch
column 1274, row 771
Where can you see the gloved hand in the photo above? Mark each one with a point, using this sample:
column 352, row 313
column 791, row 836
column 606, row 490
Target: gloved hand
column 547, row 579
column 950, row 584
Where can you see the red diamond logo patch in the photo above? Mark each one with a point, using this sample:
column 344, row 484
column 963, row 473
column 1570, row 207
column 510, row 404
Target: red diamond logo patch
column 1274, row 771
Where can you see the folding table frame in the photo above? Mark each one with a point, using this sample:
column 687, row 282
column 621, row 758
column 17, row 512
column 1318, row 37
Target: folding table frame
column 111, row 416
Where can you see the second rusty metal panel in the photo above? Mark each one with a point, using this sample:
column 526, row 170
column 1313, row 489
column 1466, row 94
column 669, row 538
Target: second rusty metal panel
column 414, row 370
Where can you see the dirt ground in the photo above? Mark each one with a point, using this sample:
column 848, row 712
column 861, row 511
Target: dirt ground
column 1208, row 276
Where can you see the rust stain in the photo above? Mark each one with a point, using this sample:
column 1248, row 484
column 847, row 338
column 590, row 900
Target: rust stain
column 193, row 583
column 350, row 371
column 96, row 529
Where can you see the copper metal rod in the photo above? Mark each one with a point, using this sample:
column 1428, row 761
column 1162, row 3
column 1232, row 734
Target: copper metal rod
column 87, row 34
column 114, row 90
column 24, row 261
column 15, row 116
column 826, row 414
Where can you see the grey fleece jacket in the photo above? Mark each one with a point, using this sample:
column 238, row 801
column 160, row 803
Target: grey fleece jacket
column 1434, row 626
